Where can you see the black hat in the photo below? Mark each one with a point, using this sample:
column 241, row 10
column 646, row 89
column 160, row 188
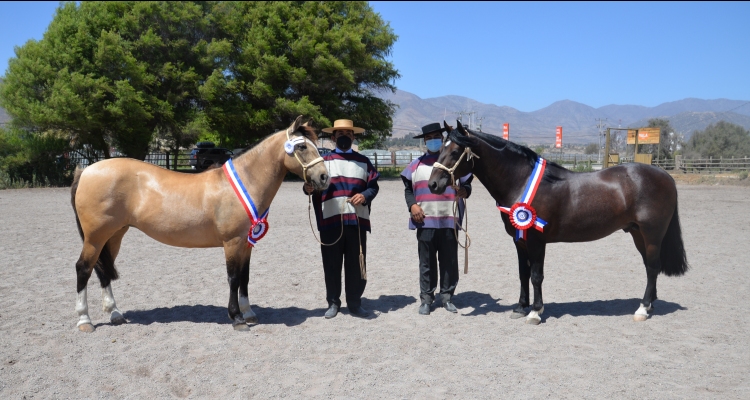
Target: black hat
column 429, row 128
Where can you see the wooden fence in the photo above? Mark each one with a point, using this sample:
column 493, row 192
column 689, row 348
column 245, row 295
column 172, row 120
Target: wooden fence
column 705, row 165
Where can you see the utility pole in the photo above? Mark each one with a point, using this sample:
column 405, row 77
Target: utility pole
column 480, row 123
column 471, row 114
column 600, row 124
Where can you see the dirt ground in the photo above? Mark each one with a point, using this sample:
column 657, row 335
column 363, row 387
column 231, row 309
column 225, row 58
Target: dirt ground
column 178, row 341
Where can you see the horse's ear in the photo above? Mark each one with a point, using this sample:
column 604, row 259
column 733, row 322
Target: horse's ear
column 460, row 128
column 296, row 124
column 447, row 127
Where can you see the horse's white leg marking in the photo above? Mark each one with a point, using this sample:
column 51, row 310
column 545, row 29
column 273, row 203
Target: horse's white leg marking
column 642, row 313
column 108, row 305
column 82, row 308
column 247, row 312
column 534, row 317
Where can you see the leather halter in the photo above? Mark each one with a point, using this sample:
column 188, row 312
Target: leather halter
column 467, row 152
column 304, row 166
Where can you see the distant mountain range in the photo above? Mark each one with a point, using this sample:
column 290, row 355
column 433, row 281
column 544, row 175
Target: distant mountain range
column 578, row 120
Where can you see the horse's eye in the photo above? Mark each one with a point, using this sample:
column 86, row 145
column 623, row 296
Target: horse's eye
column 455, row 153
column 302, row 147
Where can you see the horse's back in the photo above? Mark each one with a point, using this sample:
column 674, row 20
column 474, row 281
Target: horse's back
column 163, row 204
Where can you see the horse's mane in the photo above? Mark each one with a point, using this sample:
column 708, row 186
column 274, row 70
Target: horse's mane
column 303, row 130
column 495, row 142
column 500, row 144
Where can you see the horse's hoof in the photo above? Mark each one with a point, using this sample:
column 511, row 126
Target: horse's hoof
column 251, row 320
column 241, row 327
column 534, row 321
column 517, row 315
column 642, row 313
column 118, row 320
column 88, row 328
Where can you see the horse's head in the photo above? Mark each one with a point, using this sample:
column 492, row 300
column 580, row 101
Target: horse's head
column 455, row 159
column 303, row 157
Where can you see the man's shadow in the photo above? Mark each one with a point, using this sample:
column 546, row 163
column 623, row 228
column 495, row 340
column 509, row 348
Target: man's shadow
column 289, row 316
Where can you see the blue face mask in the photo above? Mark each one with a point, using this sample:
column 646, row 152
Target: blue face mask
column 433, row 145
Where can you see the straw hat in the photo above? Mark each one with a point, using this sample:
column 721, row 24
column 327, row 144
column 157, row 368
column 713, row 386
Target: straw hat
column 343, row 124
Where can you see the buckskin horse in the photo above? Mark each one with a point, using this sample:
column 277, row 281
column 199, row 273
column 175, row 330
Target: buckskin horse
column 546, row 203
column 187, row 210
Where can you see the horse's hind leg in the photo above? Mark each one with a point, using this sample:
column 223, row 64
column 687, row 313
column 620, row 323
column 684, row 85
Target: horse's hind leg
column 524, row 274
column 84, row 266
column 245, row 309
column 650, row 251
column 108, row 299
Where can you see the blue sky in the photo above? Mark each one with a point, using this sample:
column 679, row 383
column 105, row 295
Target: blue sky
column 529, row 55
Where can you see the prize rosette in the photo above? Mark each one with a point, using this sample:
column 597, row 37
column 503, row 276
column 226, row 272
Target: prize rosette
column 258, row 230
column 522, row 216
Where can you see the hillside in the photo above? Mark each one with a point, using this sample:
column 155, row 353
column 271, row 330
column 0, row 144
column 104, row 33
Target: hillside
column 578, row 120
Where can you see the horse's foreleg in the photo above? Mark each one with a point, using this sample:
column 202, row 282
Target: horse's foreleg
column 536, row 251
column 247, row 311
column 233, row 252
column 524, row 273
column 651, row 252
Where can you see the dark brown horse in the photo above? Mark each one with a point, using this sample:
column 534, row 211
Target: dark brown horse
column 577, row 207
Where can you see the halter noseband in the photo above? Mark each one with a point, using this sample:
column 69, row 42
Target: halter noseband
column 304, row 166
column 467, row 152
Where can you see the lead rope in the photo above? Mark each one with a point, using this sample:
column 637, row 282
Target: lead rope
column 362, row 262
column 467, row 240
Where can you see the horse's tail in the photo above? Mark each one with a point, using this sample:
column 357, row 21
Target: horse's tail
column 673, row 258
column 105, row 265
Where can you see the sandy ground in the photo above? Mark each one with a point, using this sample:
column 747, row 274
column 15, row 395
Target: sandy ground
column 178, row 341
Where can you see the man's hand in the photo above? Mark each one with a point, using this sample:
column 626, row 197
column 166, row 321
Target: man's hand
column 308, row 188
column 460, row 191
column 357, row 199
column 417, row 214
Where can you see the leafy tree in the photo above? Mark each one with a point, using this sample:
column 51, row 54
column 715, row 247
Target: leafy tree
column 591, row 148
column 112, row 73
column 132, row 75
column 722, row 139
column 319, row 59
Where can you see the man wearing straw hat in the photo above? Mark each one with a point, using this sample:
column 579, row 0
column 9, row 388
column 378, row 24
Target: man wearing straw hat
column 432, row 217
column 343, row 215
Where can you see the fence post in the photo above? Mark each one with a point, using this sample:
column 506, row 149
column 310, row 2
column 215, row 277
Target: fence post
column 393, row 158
column 376, row 160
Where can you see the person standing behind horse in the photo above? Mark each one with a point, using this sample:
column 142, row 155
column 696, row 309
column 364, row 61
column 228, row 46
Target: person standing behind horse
column 353, row 186
column 432, row 217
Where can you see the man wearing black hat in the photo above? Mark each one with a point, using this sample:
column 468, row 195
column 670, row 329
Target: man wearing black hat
column 432, row 217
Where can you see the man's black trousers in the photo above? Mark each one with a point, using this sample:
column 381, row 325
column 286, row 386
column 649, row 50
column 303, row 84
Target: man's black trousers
column 346, row 251
column 437, row 246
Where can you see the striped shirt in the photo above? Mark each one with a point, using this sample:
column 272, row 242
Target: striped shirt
column 437, row 208
column 350, row 173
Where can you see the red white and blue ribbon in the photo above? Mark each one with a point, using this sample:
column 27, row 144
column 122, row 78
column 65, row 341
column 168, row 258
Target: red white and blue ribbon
column 522, row 215
column 258, row 224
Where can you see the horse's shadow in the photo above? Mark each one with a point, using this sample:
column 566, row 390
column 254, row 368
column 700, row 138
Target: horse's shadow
column 289, row 316
column 482, row 303
column 607, row 308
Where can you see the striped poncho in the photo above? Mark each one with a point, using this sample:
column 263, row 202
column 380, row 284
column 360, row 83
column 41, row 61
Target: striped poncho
column 437, row 208
column 350, row 173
